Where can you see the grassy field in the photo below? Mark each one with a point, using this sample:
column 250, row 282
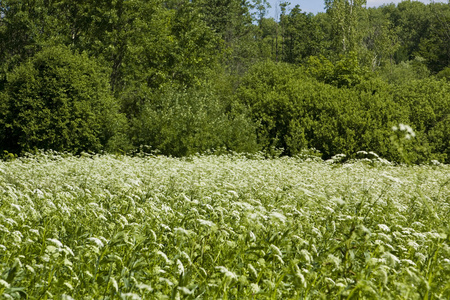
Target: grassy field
column 222, row 227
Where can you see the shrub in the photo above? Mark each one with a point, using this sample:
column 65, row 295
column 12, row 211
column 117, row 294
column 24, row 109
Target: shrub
column 181, row 122
column 427, row 107
column 345, row 72
column 59, row 100
column 298, row 112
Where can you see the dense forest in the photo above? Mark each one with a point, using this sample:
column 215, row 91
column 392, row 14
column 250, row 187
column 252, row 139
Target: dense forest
column 180, row 77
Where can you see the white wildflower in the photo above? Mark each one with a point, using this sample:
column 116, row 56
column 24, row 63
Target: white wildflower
column 180, row 267
column 254, row 287
column 18, row 207
column 280, row 260
column 181, row 231
column 185, row 290
column 4, row 284
column 252, row 271
column 413, row 244
column 391, row 259
column 252, row 236
column 228, row 274
column 164, row 256
column 143, row 286
column 300, row 276
column 384, row 227
column 130, row 296
column 278, row 217
column 330, row 281
column 408, row 261
column 206, row 223
column 114, row 284
column 35, row 231
column 96, row 241
column 306, row 255
column 336, row 261
column 17, row 236
column 276, row 250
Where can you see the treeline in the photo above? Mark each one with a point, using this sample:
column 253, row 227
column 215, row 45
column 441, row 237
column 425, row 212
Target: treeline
column 182, row 77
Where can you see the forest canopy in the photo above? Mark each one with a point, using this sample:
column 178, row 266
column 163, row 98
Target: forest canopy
column 181, row 77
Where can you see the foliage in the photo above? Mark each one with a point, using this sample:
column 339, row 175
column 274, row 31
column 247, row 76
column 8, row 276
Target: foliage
column 118, row 227
column 405, row 72
column 344, row 16
column 202, row 75
column 427, row 105
column 187, row 121
column 62, row 101
column 345, row 72
column 302, row 36
column 297, row 112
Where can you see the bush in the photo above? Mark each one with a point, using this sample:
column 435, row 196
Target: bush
column 405, row 71
column 345, row 72
column 61, row 101
column 181, row 122
column 298, row 112
column 427, row 107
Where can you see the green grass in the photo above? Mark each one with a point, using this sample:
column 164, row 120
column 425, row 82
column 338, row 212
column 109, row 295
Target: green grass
column 222, row 227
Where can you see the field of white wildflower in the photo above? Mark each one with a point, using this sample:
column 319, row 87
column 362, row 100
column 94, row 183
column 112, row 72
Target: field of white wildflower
column 222, row 227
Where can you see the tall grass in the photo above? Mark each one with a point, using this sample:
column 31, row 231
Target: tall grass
column 222, row 227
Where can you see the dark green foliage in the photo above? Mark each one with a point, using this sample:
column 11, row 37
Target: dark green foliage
column 405, row 71
column 302, row 36
column 61, row 101
column 349, row 76
column 298, row 112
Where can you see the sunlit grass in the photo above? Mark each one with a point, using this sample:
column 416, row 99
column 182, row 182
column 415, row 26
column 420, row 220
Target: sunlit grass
column 224, row 227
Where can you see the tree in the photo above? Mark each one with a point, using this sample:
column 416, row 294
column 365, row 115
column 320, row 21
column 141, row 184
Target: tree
column 302, row 37
column 381, row 39
column 232, row 21
column 412, row 20
column 61, row 101
column 345, row 17
column 434, row 46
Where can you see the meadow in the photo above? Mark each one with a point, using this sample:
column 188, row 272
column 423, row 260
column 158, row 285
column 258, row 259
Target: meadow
column 222, row 227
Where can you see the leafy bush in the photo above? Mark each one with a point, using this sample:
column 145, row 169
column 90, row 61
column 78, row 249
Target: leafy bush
column 59, row 100
column 345, row 72
column 405, row 71
column 181, row 122
column 427, row 107
column 297, row 112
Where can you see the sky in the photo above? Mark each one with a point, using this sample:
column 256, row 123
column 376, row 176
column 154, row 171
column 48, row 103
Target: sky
column 315, row 6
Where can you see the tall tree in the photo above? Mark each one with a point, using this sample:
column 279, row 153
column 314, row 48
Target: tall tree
column 302, row 36
column 345, row 16
column 232, row 21
column 434, row 47
column 380, row 40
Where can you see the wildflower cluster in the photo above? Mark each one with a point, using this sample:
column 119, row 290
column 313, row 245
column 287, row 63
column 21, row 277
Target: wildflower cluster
column 107, row 227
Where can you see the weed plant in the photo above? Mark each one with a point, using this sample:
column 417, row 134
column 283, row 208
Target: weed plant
column 222, row 227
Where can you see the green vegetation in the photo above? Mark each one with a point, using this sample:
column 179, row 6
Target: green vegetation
column 330, row 135
column 61, row 101
column 196, row 149
column 222, row 227
column 186, row 77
